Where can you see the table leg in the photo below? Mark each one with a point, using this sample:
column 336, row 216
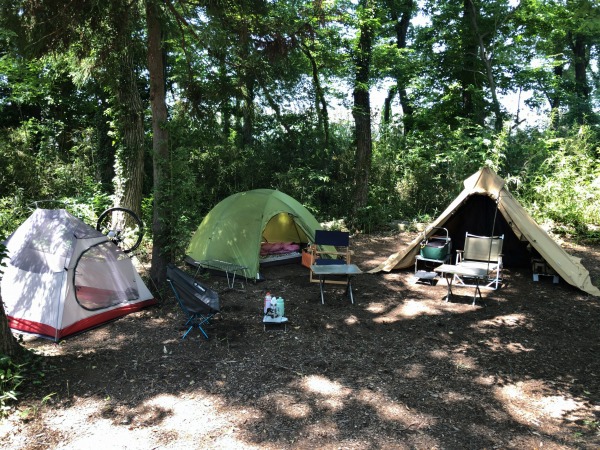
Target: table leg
column 449, row 280
column 197, row 270
column 477, row 291
column 349, row 288
column 321, row 285
column 227, row 275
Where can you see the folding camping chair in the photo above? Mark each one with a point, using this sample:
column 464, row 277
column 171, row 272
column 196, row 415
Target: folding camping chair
column 198, row 302
column 330, row 248
column 481, row 253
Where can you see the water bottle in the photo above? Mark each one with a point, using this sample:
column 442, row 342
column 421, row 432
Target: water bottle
column 275, row 306
column 281, row 307
column 267, row 302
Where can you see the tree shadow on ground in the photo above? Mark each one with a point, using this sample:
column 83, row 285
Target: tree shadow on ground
column 401, row 368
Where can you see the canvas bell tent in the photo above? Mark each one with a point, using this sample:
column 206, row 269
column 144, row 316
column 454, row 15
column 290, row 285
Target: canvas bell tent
column 63, row 277
column 235, row 228
column 485, row 207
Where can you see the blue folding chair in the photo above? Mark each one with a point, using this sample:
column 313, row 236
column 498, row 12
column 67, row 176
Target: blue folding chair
column 198, row 302
column 330, row 248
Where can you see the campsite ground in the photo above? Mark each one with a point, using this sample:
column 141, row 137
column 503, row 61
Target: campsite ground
column 399, row 369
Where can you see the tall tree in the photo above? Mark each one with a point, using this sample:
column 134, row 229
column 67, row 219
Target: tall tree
column 160, row 141
column 361, row 110
column 401, row 14
column 129, row 158
column 487, row 62
column 562, row 35
column 470, row 78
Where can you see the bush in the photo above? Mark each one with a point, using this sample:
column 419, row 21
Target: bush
column 11, row 378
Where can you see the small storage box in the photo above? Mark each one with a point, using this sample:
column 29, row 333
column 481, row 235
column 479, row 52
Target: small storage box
column 436, row 248
column 307, row 258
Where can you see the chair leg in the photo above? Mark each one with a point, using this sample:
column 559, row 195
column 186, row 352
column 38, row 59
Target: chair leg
column 187, row 332
column 197, row 322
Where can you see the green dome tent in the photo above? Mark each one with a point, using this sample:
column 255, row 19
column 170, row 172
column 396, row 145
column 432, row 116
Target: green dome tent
column 235, row 228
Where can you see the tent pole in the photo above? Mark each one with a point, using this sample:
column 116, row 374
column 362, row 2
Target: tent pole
column 493, row 230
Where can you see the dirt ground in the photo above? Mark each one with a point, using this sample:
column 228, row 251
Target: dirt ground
column 401, row 368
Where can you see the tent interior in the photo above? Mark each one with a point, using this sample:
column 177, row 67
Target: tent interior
column 479, row 215
column 282, row 241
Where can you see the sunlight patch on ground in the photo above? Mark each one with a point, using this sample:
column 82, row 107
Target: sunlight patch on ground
column 497, row 345
column 458, row 358
column 407, row 310
column 392, row 411
column 351, row 320
column 289, row 405
column 485, row 380
column 413, row 371
column 165, row 421
column 455, row 397
column 463, row 362
column 438, row 354
column 332, row 395
column 317, row 384
column 328, row 394
column 376, row 308
column 509, row 320
column 528, row 405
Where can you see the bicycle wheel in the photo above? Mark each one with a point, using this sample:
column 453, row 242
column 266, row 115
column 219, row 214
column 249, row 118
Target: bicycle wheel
column 122, row 226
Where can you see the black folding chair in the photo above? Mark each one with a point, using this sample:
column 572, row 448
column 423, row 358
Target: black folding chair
column 198, row 302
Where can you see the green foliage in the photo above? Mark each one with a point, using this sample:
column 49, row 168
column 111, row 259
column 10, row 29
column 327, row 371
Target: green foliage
column 419, row 174
column 566, row 186
column 15, row 376
column 252, row 88
column 11, row 378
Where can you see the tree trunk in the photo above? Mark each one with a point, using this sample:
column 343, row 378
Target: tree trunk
column 130, row 159
column 8, row 344
column 582, row 107
column 471, row 106
column 362, row 114
column 401, row 25
column 320, row 101
column 225, row 105
column 160, row 147
column 555, row 98
column 387, row 104
column 247, row 84
column 274, row 106
column 488, row 68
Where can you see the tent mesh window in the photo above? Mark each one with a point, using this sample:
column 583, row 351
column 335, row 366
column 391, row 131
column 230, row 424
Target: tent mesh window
column 104, row 277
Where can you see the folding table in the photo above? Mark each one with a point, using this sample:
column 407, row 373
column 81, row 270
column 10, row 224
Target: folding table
column 223, row 266
column 329, row 270
column 449, row 270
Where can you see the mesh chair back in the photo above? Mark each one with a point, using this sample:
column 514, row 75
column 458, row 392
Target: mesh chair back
column 482, row 248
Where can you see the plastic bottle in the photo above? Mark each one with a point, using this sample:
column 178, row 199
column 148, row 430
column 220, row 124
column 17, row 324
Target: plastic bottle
column 267, row 302
column 275, row 306
column 281, row 307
